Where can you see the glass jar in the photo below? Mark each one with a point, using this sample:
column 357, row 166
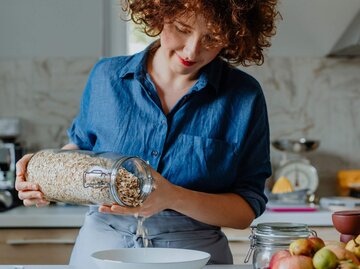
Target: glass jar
column 85, row 177
column 268, row 238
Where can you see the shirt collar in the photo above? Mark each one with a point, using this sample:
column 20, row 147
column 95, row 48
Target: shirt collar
column 136, row 64
column 210, row 74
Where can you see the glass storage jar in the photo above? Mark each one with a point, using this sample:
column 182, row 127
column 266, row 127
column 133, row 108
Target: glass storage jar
column 268, row 238
column 85, row 177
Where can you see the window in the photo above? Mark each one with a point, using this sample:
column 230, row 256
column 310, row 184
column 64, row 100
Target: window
column 136, row 39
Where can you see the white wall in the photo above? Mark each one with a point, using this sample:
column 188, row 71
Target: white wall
column 60, row 28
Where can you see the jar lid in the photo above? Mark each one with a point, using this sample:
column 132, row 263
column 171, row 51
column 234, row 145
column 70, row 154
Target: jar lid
column 282, row 230
column 138, row 168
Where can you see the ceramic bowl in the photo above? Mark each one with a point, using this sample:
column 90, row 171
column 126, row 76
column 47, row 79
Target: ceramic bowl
column 150, row 258
column 347, row 221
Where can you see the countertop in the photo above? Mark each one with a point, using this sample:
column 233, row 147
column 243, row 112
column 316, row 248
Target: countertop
column 73, row 217
column 71, row 267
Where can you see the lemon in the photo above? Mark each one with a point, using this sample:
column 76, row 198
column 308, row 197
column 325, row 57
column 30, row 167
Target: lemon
column 282, row 185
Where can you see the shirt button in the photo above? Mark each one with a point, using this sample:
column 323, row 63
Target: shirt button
column 163, row 122
column 154, row 153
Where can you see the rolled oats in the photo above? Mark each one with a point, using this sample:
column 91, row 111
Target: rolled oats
column 82, row 177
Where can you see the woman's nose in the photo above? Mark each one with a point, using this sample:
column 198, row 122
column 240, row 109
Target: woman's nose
column 192, row 48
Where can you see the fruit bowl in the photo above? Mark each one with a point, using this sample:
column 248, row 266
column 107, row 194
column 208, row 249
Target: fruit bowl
column 347, row 222
column 150, row 258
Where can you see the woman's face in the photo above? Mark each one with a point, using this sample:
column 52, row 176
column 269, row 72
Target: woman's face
column 185, row 45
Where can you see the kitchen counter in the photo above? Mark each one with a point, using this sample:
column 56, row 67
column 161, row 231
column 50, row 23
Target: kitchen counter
column 73, row 217
column 71, row 267
column 50, row 216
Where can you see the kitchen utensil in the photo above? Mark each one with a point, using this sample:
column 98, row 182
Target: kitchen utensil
column 296, row 146
column 296, row 196
column 298, row 170
column 150, row 258
column 347, row 222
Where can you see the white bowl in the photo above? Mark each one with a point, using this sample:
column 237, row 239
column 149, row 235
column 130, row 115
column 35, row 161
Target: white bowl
column 150, row 258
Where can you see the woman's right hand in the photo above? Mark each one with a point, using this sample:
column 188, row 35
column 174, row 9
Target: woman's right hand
column 28, row 192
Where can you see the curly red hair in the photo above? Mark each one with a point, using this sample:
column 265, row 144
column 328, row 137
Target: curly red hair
column 242, row 27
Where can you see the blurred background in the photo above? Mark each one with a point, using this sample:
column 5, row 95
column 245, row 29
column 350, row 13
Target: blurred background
column 310, row 76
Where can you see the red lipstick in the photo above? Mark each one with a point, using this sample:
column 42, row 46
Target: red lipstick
column 186, row 63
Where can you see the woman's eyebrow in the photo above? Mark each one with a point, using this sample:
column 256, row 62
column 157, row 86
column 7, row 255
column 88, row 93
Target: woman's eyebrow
column 184, row 24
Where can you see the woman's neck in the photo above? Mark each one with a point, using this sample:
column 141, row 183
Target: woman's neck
column 170, row 87
column 159, row 69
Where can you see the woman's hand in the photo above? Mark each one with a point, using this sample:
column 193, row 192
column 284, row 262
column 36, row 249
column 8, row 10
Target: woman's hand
column 28, row 192
column 160, row 199
column 219, row 209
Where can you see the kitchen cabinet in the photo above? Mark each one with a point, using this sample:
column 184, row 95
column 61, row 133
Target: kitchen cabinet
column 36, row 246
column 240, row 243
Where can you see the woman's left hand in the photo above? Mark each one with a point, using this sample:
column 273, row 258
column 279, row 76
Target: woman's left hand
column 160, row 199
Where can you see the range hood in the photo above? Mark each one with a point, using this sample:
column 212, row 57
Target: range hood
column 317, row 28
column 349, row 42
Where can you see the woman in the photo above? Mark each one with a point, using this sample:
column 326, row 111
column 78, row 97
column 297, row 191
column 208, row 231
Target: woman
column 200, row 123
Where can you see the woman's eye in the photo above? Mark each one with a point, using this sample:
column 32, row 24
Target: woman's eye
column 210, row 40
column 181, row 29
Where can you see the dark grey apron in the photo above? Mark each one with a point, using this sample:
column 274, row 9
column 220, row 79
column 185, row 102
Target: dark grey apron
column 168, row 229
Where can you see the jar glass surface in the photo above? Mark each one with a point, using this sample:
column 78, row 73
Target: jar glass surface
column 85, row 177
column 268, row 238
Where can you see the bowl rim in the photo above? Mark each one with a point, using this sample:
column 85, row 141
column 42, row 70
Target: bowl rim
column 347, row 213
column 206, row 255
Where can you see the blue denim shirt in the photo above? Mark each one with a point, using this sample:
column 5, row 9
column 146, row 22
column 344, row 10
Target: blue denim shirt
column 215, row 139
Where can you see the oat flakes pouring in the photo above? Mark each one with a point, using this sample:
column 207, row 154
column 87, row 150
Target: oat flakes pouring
column 85, row 177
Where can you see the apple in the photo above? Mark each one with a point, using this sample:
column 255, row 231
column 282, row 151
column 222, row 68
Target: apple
column 293, row 262
column 325, row 259
column 343, row 254
column 317, row 243
column 347, row 265
column 354, row 246
column 277, row 256
column 302, row 246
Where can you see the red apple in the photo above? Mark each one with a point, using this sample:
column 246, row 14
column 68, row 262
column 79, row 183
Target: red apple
column 294, row 262
column 277, row 256
column 317, row 243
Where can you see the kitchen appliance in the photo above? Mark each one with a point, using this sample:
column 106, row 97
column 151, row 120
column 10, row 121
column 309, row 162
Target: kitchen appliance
column 297, row 168
column 10, row 152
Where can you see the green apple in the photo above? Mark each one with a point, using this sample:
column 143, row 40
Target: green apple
column 325, row 259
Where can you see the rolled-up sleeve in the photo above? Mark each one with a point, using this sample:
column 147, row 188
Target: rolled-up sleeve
column 255, row 166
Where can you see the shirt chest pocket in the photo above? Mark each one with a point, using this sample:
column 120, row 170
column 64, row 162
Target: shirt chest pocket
column 203, row 164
